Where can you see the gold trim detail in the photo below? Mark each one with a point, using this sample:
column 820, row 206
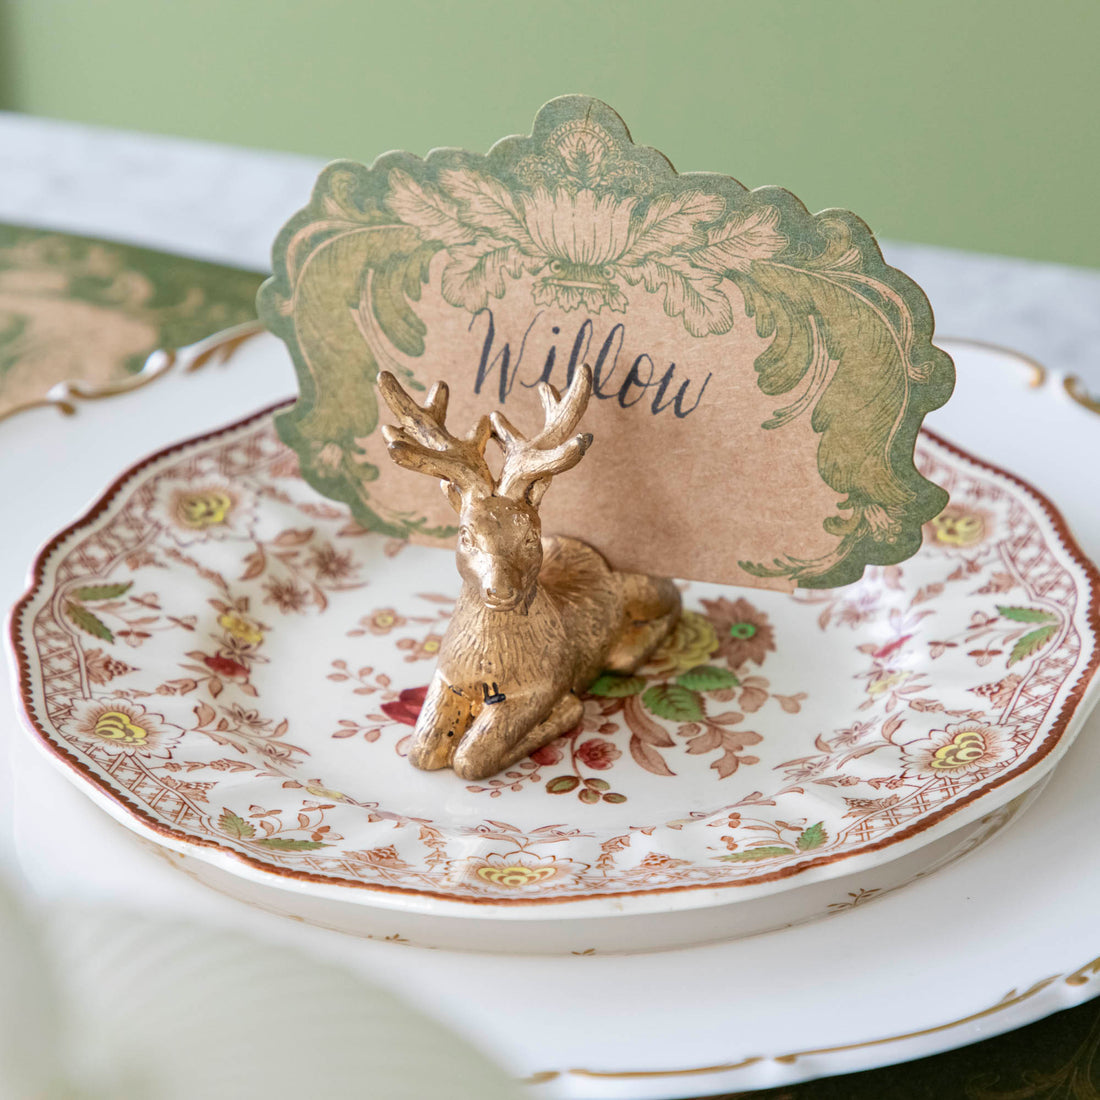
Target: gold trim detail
column 221, row 347
column 1085, row 974
column 1076, row 978
column 1038, row 373
column 1010, row 1000
column 1077, row 391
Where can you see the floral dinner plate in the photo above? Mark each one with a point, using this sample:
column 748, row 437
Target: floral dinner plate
column 233, row 668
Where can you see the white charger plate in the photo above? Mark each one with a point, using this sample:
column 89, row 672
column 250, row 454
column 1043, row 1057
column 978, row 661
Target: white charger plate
column 906, row 975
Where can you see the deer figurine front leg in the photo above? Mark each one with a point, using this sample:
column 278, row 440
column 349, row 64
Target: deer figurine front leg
column 537, row 619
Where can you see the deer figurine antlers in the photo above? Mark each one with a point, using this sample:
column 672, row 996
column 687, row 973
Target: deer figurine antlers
column 538, row 619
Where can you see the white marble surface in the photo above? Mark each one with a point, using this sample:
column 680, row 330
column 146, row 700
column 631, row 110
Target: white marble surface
column 226, row 204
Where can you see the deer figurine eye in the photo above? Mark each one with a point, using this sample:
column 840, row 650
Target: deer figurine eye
column 465, row 540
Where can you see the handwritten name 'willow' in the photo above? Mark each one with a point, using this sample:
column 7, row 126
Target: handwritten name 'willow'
column 640, row 383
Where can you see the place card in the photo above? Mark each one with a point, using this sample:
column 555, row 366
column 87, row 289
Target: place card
column 760, row 374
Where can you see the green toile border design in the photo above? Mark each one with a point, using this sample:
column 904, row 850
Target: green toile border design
column 850, row 335
column 45, row 273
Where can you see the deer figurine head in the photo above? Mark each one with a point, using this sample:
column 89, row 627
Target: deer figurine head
column 499, row 542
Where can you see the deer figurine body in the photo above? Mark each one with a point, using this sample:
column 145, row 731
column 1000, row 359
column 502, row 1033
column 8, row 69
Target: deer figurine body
column 538, row 619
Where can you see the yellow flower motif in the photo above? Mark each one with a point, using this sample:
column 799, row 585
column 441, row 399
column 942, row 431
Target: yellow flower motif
column 521, row 872
column 114, row 725
column 242, row 629
column 120, row 727
column 888, row 682
column 325, row 793
column 203, row 508
column 421, row 651
column 515, row 875
column 690, row 644
column 383, row 620
column 961, row 748
column 955, row 527
column 198, row 509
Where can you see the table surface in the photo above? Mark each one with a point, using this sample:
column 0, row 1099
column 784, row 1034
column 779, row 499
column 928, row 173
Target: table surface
column 224, row 205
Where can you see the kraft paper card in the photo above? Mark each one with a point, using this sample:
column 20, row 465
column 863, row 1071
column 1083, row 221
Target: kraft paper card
column 760, row 373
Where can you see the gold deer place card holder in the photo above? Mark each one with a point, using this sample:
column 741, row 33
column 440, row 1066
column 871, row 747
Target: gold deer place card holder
column 743, row 380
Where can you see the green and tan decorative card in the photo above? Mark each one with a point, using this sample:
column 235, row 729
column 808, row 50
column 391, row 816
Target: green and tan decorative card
column 760, row 373
column 90, row 312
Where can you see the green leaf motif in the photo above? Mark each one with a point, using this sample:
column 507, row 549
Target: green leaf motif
column 813, row 837
column 707, row 678
column 562, row 784
column 614, row 797
column 88, row 622
column 1031, row 643
column 1027, row 614
column 103, row 591
column 235, row 826
column 674, row 702
column 750, row 855
column 610, row 685
column 286, row 844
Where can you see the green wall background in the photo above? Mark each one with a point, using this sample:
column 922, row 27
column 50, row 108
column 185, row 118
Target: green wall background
column 971, row 123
